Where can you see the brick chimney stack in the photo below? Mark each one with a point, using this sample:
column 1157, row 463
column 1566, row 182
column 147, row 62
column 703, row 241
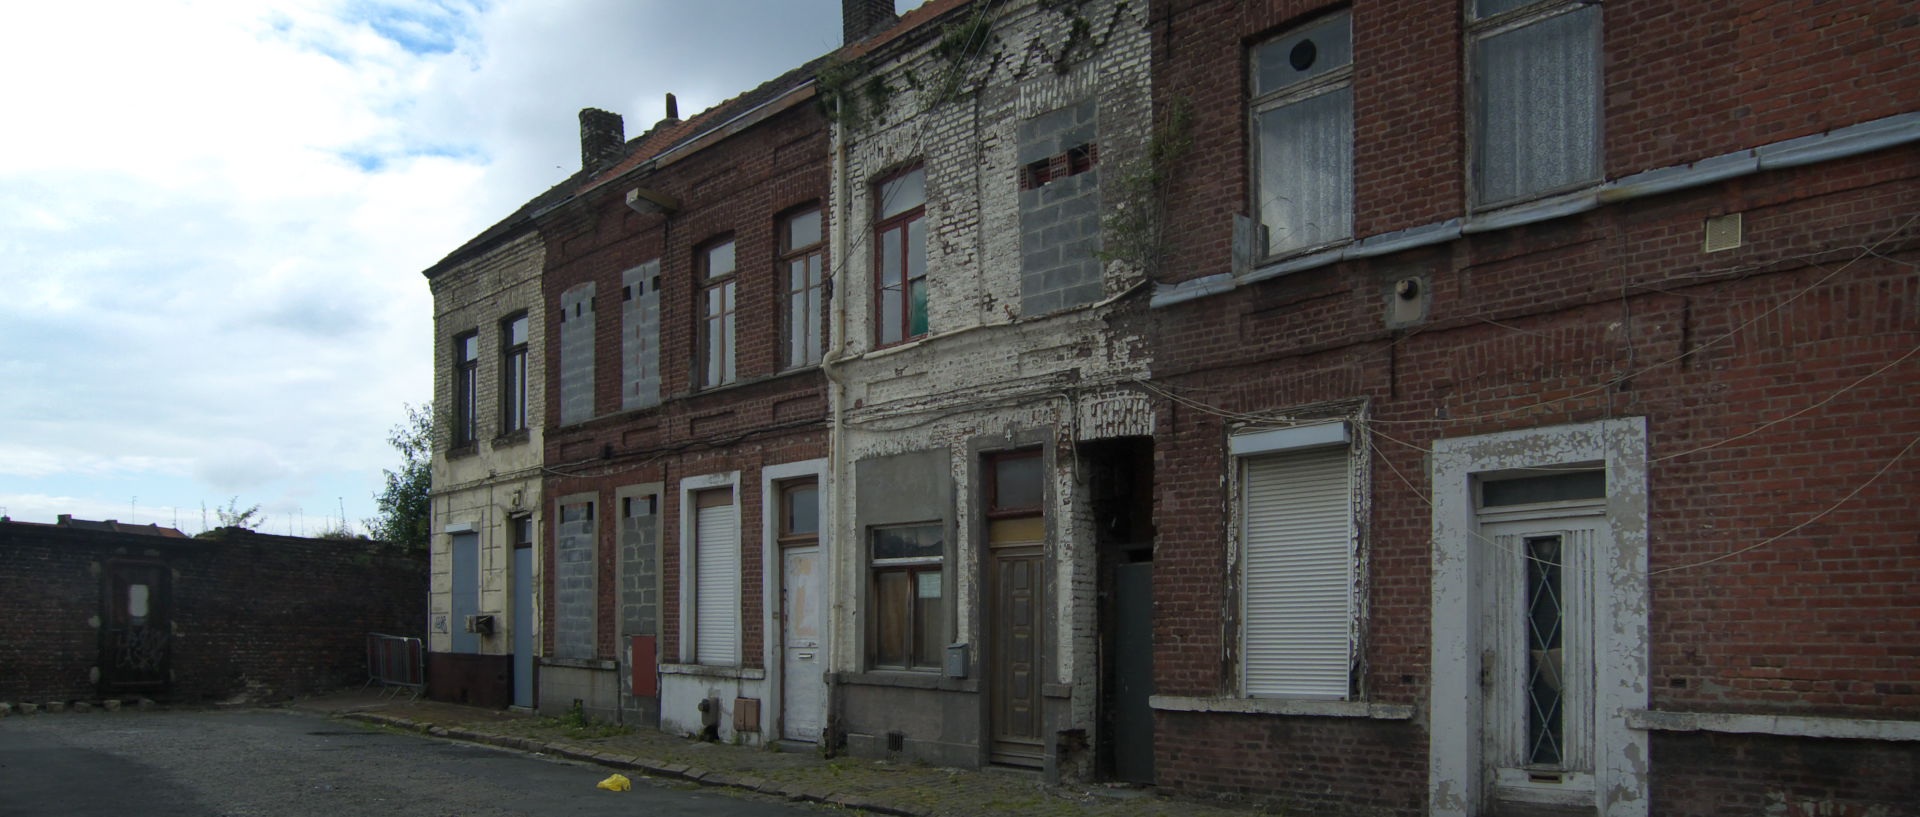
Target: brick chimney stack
column 860, row 19
column 602, row 136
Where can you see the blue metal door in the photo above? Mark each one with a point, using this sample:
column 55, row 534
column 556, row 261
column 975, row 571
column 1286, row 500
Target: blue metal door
column 523, row 627
column 466, row 590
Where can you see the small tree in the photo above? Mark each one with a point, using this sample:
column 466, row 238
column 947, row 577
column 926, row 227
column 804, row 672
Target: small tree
column 402, row 509
column 233, row 516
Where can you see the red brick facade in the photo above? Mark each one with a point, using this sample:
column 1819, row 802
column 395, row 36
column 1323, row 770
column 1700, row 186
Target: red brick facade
column 1778, row 382
column 737, row 186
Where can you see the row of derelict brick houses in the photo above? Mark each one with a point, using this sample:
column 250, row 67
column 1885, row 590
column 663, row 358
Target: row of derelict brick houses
column 1454, row 407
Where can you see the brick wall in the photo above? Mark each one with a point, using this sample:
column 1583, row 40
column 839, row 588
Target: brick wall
column 253, row 614
column 738, row 187
column 1707, row 775
column 1775, row 379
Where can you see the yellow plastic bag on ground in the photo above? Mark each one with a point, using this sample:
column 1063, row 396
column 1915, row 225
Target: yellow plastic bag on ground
column 618, row 782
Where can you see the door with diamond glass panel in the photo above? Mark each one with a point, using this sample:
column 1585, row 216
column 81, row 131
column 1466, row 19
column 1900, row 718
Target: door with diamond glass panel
column 1537, row 656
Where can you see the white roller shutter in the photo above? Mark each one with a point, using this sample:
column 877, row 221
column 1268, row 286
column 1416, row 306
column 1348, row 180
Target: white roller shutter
column 1297, row 597
column 716, row 631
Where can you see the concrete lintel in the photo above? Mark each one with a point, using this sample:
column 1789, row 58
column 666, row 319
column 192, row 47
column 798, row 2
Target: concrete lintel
column 1802, row 726
column 1283, row 706
column 579, row 663
column 743, row 673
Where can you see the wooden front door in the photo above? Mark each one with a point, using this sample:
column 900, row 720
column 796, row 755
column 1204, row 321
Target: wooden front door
column 136, row 641
column 1016, row 608
column 1017, row 601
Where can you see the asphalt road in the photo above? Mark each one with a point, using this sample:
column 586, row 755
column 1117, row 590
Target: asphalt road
column 288, row 764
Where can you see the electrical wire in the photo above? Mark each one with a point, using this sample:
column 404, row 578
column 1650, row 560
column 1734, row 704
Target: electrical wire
column 1805, row 522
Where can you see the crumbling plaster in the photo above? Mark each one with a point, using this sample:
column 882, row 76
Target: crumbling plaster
column 1455, row 706
column 986, row 376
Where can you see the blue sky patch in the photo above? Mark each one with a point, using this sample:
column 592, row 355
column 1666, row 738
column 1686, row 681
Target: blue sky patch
column 428, row 27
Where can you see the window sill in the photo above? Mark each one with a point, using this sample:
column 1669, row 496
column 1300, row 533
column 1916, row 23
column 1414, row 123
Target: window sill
column 907, row 679
column 1541, row 207
column 512, row 438
column 462, row 451
column 579, row 663
column 736, row 384
column 1283, row 706
column 1801, row 726
column 711, row 671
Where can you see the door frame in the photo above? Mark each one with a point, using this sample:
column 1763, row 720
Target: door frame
column 1505, row 698
column 159, row 605
column 988, row 555
column 525, row 653
column 467, row 588
column 1457, row 777
column 773, row 646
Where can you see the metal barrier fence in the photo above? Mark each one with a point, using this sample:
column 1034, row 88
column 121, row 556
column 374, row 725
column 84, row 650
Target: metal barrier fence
column 396, row 662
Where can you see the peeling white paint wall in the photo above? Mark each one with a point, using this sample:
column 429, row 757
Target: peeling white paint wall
column 1456, row 763
column 986, row 375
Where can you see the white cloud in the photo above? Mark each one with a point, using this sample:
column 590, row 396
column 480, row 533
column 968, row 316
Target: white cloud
column 217, row 210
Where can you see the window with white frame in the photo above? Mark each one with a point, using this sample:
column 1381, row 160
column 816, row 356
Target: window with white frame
column 716, row 578
column 1535, row 88
column 1297, row 604
column 1302, row 111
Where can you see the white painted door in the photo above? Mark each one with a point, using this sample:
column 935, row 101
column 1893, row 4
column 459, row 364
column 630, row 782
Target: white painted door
column 803, row 688
column 1537, row 657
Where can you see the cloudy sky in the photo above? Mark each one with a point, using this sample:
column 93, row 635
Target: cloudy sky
column 213, row 217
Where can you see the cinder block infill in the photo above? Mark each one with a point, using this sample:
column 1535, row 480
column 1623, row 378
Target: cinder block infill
column 791, row 791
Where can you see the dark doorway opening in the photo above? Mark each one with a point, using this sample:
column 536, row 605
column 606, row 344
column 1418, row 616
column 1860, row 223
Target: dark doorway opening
column 1119, row 486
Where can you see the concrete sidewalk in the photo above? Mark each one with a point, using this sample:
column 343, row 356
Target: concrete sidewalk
column 877, row 786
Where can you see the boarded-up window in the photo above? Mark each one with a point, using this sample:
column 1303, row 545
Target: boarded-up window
column 640, row 336
column 576, row 354
column 574, row 583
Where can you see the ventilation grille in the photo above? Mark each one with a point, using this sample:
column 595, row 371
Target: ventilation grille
column 1722, row 233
